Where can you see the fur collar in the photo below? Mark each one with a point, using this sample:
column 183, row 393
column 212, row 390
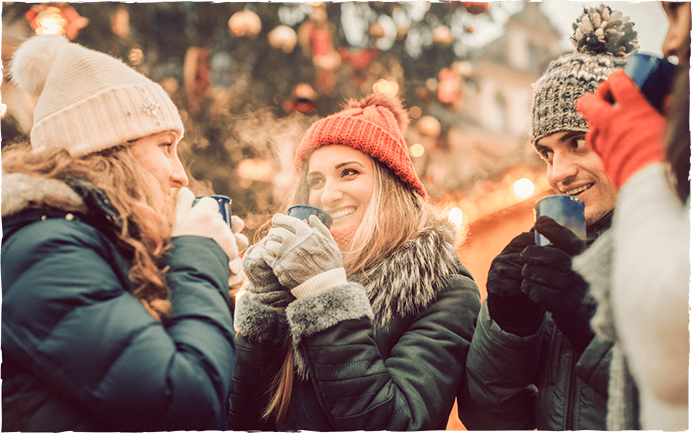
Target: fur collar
column 21, row 191
column 408, row 281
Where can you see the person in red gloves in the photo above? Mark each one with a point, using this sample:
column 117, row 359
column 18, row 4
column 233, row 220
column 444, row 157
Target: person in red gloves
column 534, row 361
column 643, row 308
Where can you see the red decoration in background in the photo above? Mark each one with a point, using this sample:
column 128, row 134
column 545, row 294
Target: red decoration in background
column 315, row 36
column 196, row 77
column 360, row 60
column 475, row 8
column 303, row 99
column 448, row 88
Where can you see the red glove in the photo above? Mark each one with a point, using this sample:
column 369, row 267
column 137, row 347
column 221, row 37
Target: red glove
column 625, row 130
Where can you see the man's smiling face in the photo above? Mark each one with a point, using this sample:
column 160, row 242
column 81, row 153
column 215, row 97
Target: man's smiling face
column 574, row 169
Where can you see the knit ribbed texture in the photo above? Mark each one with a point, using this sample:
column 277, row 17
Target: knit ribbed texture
column 557, row 92
column 92, row 101
column 323, row 281
column 603, row 38
column 344, row 236
column 375, row 126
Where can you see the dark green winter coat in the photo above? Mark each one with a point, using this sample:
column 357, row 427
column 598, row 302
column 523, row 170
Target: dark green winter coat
column 388, row 354
column 79, row 351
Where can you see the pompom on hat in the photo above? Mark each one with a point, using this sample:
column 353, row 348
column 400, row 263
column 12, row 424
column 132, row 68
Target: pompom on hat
column 376, row 126
column 87, row 101
column 603, row 39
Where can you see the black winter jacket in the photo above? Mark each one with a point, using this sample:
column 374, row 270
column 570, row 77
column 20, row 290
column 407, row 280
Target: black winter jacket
column 535, row 382
column 385, row 355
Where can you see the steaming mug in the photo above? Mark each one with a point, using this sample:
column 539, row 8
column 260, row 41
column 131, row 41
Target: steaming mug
column 224, row 206
column 303, row 212
column 566, row 210
column 653, row 75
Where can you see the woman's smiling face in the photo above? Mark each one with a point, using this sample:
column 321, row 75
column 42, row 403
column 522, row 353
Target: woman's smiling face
column 341, row 181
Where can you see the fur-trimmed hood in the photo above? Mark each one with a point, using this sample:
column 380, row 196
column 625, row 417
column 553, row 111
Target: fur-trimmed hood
column 21, row 191
column 407, row 281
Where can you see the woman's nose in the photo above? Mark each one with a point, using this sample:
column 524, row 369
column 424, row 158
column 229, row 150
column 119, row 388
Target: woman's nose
column 178, row 176
column 331, row 193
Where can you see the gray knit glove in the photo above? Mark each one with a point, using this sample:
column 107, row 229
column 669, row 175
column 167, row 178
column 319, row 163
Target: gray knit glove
column 303, row 254
column 263, row 282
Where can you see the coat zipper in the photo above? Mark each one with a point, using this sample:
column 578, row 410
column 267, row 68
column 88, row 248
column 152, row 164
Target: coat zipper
column 572, row 395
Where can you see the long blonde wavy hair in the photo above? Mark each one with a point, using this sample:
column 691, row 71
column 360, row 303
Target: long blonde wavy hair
column 145, row 230
column 395, row 215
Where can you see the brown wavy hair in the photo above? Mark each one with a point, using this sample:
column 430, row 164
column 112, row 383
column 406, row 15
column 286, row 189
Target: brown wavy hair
column 395, row 215
column 144, row 231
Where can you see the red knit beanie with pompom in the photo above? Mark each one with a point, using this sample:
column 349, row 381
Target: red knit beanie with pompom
column 374, row 125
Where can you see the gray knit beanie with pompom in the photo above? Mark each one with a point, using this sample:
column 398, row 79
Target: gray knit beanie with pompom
column 603, row 39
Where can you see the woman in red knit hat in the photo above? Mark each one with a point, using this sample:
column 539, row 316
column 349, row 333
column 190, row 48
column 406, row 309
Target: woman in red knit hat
column 366, row 326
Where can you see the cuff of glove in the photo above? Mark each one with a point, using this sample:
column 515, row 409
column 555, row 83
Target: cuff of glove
column 319, row 282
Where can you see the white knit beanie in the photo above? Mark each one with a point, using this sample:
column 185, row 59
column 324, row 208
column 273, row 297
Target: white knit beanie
column 87, row 101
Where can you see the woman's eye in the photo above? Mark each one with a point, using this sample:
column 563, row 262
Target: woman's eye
column 166, row 146
column 314, row 183
column 580, row 144
column 349, row 172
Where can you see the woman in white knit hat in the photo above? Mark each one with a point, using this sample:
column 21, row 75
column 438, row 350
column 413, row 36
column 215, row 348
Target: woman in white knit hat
column 113, row 317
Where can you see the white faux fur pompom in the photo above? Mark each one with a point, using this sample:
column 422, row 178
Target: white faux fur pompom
column 33, row 60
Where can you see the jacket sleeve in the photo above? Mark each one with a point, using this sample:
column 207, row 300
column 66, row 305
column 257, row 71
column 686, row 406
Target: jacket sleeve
column 410, row 388
column 260, row 344
column 68, row 317
column 501, row 370
column 651, row 283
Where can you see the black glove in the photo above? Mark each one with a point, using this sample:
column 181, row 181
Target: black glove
column 550, row 281
column 508, row 306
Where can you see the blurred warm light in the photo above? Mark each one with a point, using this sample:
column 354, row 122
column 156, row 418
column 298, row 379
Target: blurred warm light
column 414, row 112
column 416, row 150
column 442, row 35
column 284, row 38
column 245, row 23
column 376, row 30
column 3, row 110
column 456, row 217
column 431, row 84
column 170, row 85
column 523, row 188
column 135, row 56
column 60, row 20
column 120, row 22
column 388, row 87
column 256, row 169
column 429, row 125
column 50, row 22
column 463, row 68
